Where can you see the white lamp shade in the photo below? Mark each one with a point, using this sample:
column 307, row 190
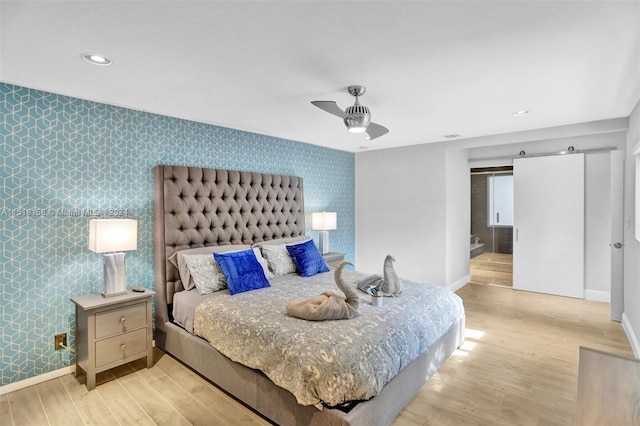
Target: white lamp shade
column 324, row 221
column 111, row 235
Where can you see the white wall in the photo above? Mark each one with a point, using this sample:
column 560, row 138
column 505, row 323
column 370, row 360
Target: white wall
column 597, row 190
column 409, row 200
column 400, row 210
column 597, row 224
column 458, row 210
column 631, row 291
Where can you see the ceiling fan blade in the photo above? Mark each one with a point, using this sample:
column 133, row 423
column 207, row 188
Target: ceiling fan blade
column 375, row 131
column 331, row 107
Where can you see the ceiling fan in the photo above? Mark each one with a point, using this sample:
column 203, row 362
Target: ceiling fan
column 357, row 117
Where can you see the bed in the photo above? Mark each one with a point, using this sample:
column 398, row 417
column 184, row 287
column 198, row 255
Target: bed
column 198, row 209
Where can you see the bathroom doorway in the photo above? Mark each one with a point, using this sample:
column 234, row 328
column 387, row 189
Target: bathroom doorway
column 491, row 236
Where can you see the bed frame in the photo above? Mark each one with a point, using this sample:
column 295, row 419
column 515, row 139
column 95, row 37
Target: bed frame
column 197, row 207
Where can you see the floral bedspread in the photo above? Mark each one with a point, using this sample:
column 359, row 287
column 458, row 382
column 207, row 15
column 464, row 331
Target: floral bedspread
column 326, row 362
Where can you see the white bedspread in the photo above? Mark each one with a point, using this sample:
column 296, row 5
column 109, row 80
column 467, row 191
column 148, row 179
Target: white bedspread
column 326, row 362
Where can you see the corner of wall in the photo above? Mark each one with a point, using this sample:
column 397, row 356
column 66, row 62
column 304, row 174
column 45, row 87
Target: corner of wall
column 633, row 338
column 631, row 291
column 458, row 284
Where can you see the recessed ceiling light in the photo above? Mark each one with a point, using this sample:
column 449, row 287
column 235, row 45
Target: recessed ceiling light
column 520, row 113
column 94, row 59
column 452, row 135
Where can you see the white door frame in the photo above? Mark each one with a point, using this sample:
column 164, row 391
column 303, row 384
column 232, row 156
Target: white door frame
column 617, row 234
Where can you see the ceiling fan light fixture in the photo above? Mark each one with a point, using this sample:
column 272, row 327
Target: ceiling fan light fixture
column 354, row 127
column 357, row 119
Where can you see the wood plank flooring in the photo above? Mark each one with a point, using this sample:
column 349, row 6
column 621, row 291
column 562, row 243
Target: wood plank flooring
column 608, row 389
column 518, row 366
column 492, row 269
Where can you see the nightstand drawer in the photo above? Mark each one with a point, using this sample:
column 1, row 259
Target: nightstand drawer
column 120, row 347
column 120, row 320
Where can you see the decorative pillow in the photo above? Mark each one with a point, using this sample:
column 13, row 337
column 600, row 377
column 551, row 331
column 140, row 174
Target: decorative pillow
column 280, row 261
column 205, row 273
column 242, row 271
column 307, row 258
column 263, row 262
column 185, row 276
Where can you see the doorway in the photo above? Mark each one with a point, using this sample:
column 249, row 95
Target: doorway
column 491, row 236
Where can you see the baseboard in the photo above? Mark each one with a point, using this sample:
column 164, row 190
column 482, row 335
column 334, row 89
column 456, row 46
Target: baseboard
column 455, row 286
column 633, row 339
column 597, row 296
column 12, row 387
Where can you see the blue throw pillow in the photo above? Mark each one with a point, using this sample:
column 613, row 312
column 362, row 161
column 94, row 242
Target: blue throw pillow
column 242, row 271
column 307, row 258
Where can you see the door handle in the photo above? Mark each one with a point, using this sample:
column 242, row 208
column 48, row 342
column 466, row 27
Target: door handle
column 617, row 245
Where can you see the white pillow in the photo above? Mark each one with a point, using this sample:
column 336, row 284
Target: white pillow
column 277, row 256
column 263, row 262
column 177, row 259
column 279, row 259
column 205, row 272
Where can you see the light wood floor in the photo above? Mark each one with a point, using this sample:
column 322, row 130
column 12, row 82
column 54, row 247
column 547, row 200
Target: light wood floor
column 492, row 269
column 518, row 366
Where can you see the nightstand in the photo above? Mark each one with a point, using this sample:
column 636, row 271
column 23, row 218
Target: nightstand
column 333, row 259
column 111, row 331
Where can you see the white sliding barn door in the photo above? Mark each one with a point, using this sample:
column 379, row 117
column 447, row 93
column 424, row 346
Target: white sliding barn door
column 548, row 246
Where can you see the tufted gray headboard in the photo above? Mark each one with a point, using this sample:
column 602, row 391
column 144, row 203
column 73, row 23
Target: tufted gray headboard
column 198, row 207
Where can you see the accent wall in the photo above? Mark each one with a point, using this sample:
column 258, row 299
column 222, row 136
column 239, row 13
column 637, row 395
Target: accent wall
column 66, row 160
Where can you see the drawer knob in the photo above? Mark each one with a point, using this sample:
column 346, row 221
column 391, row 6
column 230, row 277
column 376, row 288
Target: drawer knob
column 123, row 347
column 122, row 320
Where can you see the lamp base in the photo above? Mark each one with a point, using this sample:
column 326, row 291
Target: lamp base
column 323, row 242
column 115, row 277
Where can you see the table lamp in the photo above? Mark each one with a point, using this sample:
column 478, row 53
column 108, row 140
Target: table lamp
column 324, row 222
column 112, row 237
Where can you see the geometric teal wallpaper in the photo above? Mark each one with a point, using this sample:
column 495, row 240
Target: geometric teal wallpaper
column 66, row 160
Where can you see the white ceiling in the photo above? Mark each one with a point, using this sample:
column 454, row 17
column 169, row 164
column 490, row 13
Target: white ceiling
column 431, row 68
